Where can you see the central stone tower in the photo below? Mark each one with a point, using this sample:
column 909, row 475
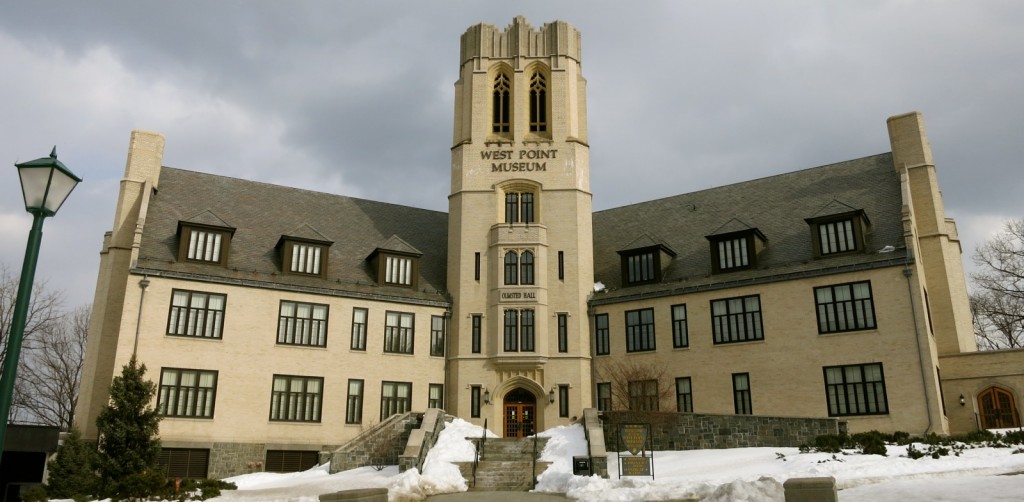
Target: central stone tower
column 520, row 236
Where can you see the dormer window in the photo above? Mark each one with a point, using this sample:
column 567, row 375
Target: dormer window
column 640, row 267
column 304, row 251
column 644, row 260
column 838, row 234
column 398, row 270
column 735, row 250
column 206, row 244
column 305, row 258
column 396, row 263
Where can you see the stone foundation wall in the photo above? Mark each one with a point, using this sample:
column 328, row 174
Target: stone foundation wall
column 690, row 431
column 233, row 459
column 380, row 445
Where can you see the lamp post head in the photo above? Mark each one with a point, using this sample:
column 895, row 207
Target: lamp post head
column 45, row 184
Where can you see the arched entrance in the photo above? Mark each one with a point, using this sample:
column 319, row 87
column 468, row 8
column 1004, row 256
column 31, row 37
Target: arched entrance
column 998, row 409
column 520, row 413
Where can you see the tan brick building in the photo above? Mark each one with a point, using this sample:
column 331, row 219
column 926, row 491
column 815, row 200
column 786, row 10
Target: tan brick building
column 280, row 322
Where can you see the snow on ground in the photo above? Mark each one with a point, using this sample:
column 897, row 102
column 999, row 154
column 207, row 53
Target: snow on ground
column 740, row 474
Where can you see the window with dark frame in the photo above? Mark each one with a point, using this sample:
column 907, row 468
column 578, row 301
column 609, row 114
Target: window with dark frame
column 204, row 245
column 395, row 397
column 184, row 463
column 302, row 324
column 519, row 207
column 305, row 258
column 435, row 396
column 501, row 114
column 640, row 267
column 476, row 266
column 196, row 314
column 737, row 319
column 519, row 330
column 741, row 393
column 538, row 103
column 856, row 389
column 437, row 335
column 643, row 395
column 563, row 332
column 187, row 393
column 602, row 338
column 359, row 328
column 398, row 270
column 511, row 268
column 354, row 402
column 398, row 332
column 640, row 330
column 680, row 336
column 561, row 265
column 845, row 307
column 526, row 268
column 604, row 396
column 511, row 330
column 733, row 253
column 836, row 236
column 296, row 398
column 526, row 330
column 684, row 395
column 474, row 401
column 563, row 400
column 477, row 321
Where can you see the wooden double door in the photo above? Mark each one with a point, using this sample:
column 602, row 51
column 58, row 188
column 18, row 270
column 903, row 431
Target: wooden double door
column 998, row 409
column 520, row 414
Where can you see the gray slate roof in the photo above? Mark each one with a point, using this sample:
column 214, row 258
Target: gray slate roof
column 777, row 206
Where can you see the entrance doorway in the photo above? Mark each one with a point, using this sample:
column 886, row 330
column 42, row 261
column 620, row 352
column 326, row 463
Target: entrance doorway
column 520, row 412
column 998, row 410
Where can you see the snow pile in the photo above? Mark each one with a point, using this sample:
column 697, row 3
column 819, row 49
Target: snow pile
column 440, row 474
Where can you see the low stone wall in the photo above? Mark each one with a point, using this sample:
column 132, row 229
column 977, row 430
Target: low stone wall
column 691, row 431
column 233, row 459
column 594, row 433
column 421, row 440
column 380, row 445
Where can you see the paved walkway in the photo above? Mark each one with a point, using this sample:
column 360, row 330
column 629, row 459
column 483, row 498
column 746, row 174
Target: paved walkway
column 499, row 497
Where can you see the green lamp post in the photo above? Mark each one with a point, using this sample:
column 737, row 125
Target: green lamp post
column 45, row 184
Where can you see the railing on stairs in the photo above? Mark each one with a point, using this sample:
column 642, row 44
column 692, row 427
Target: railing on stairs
column 534, row 460
column 479, row 451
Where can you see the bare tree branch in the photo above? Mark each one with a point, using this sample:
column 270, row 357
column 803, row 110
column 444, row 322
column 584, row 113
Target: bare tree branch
column 997, row 302
column 621, row 373
column 44, row 308
column 47, row 385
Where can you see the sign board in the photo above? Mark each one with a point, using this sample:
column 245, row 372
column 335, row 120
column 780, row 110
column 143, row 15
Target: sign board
column 635, row 466
column 635, row 438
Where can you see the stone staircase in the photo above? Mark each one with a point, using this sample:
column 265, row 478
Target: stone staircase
column 507, row 464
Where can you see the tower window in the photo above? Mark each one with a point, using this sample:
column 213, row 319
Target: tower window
column 511, row 268
column 519, row 207
column 538, row 103
column 526, row 268
column 502, row 106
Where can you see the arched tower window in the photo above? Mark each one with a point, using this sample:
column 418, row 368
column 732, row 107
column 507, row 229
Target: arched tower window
column 526, row 268
column 511, row 268
column 538, row 102
column 501, row 114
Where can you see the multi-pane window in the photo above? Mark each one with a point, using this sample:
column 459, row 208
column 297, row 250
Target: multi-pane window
column 527, row 333
column 680, row 337
column 436, row 335
column 435, row 395
column 296, row 398
column 519, row 330
column 732, row 253
column 845, row 307
column 857, row 389
column 519, row 207
column 395, row 397
column 602, row 342
column 563, row 332
column 187, row 393
column 563, row 400
column 741, row 393
column 359, row 328
column 196, row 314
column 302, row 324
column 354, row 403
column 643, row 395
column 640, row 267
column 526, row 268
column 837, row 237
column 639, row 330
column 737, row 319
column 511, row 268
column 476, row 328
column 538, row 102
column 501, row 114
column 511, row 330
column 604, row 396
column 519, row 268
column 305, row 258
column 398, row 270
column 684, row 395
column 474, row 401
column 398, row 332
column 204, row 245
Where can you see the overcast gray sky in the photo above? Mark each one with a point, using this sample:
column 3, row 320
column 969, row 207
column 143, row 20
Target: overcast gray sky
column 355, row 98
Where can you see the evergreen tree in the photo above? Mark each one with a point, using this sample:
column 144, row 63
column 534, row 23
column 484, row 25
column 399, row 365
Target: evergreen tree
column 128, row 441
column 71, row 471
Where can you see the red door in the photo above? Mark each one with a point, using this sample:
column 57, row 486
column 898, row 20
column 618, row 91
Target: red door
column 520, row 413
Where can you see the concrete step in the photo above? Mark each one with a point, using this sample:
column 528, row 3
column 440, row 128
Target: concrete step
column 502, row 475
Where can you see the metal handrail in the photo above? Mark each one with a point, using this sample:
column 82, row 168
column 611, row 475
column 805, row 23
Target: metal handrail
column 479, row 451
column 534, row 460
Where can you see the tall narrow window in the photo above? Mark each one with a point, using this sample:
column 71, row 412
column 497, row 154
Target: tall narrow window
column 476, row 266
column 358, row 329
column 354, row 404
column 639, row 330
column 680, row 338
column 501, row 113
column 302, row 324
column 519, row 207
column 511, row 268
column 741, row 393
column 563, row 400
column 640, row 267
column 398, row 333
column 737, row 319
column 395, row 397
column 196, row 314
column 187, row 393
column 526, row 268
column 538, row 103
column 561, row 265
column 511, row 207
column 435, row 396
column 511, row 330
column 436, row 335
column 563, row 332
column 526, row 330
column 601, row 338
column 474, row 401
column 684, row 395
column 477, row 320
column 526, row 207
column 296, row 398
column 604, row 396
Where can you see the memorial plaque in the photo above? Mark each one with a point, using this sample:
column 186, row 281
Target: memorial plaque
column 636, row 466
column 634, row 437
